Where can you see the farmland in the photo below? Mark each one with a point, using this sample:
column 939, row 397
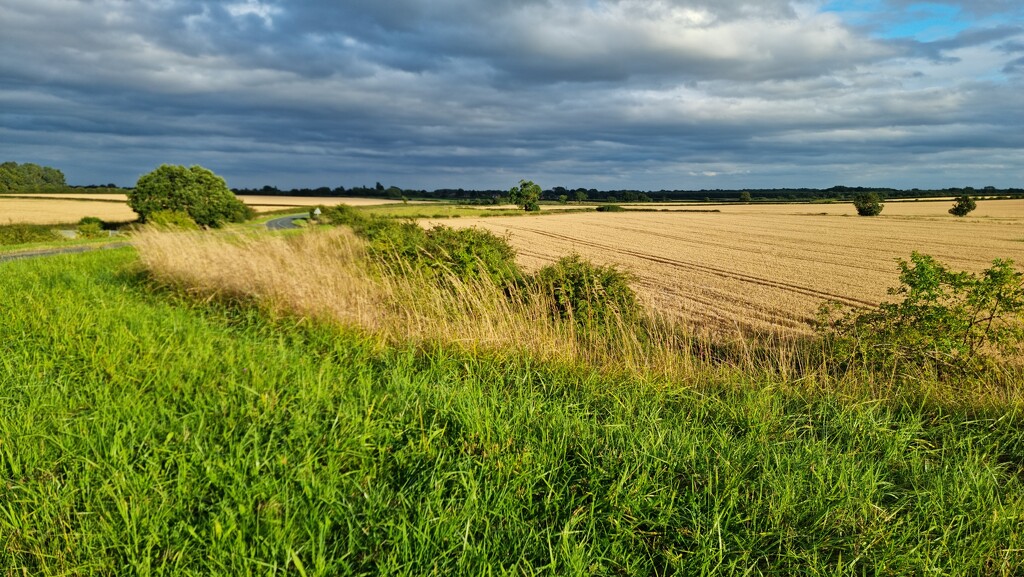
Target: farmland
column 243, row 401
column 65, row 208
column 766, row 267
column 60, row 210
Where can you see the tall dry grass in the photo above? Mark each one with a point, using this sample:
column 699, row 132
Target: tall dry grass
column 326, row 274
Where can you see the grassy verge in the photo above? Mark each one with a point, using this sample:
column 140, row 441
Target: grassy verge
column 16, row 238
column 144, row 434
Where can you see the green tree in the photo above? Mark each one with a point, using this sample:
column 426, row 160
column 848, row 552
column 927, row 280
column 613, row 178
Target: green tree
column 30, row 177
column 868, row 204
column 745, row 197
column 525, row 195
column 963, row 206
column 581, row 196
column 196, row 191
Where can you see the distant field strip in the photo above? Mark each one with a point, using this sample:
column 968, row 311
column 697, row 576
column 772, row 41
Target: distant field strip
column 54, row 211
column 762, row 269
column 69, row 208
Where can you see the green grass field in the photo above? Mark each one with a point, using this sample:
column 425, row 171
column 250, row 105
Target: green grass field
column 144, row 433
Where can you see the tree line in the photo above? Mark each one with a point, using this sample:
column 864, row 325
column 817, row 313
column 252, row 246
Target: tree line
column 30, row 177
column 564, row 194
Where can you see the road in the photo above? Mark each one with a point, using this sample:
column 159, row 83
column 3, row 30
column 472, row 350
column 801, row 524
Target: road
column 285, row 222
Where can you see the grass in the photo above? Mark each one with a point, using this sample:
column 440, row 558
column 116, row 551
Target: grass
column 147, row 433
column 16, row 238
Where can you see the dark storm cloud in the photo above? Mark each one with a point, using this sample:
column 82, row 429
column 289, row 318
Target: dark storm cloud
column 646, row 94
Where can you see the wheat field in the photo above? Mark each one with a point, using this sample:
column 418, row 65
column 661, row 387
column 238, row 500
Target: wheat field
column 766, row 267
column 69, row 208
column 62, row 210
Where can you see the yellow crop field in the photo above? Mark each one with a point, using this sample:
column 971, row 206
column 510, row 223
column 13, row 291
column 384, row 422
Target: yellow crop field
column 768, row 267
column 267, row 203
column 66, row 208
column 55, row 211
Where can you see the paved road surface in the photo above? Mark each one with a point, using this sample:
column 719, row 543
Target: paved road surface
column 285, row 222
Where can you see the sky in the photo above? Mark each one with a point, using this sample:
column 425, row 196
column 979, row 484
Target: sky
column 478, row 94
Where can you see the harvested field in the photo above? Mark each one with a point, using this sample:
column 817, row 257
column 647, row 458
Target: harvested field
column 769, row 267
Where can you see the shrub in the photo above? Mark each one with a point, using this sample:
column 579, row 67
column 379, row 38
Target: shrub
column 868, row 204
column 953, row 321
column 200, row 193
column 468, row 253
column 610, row 208
column 963, row 206
column 91, row 220
column 591, row 295
column 173, row 219
column 26, row 233
column 471, row 253
column 342, row 214
column 91, row 230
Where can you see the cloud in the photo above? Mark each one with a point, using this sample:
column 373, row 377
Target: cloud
column 971, row 7
column 657, row 94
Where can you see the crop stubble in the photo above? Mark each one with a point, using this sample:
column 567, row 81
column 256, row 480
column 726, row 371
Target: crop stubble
column 764, row 268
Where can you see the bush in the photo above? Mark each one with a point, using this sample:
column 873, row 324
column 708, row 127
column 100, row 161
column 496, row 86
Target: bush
column 91, row 230
column 91, row 220
column 868, row 204
column 954, row 321
column 200, row 193
column 340, row 215
column 471, row 253
column 591, row 295
column 173, row 219
column 468, row 253
column 11, row 234
column 963, row 206
column 610, row 208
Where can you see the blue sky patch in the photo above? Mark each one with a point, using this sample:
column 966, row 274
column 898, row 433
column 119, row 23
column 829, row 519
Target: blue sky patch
column 922, row 21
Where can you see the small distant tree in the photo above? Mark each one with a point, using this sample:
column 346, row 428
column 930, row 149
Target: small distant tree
column 563, row 198
column 745, row 197
column 581, row 196
column 195, row 191
column 963, row 206
column 868, row 204
column 525, row 195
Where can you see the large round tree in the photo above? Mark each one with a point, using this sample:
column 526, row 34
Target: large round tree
column 196, row 191
column 525, row 195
